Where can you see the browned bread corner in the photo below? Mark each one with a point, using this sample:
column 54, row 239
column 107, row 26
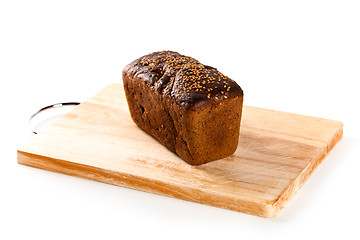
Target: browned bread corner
column 192, row 109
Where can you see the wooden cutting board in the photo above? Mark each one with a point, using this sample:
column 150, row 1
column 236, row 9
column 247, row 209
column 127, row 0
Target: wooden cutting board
column 97, row 140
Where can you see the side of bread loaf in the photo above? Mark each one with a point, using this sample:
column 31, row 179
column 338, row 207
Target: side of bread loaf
column 191, row 108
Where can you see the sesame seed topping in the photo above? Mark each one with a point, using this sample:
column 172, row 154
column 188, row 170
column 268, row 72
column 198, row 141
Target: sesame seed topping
column 182, row 77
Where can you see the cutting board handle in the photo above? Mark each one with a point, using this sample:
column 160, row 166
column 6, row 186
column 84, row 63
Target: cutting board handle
column 56, row 105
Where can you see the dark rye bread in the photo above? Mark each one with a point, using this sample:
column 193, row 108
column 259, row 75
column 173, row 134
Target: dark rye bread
column 192, row 109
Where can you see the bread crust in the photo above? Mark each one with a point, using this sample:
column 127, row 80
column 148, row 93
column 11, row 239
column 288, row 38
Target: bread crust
column 192, row 109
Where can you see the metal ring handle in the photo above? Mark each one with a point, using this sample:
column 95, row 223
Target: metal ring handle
column 56, row 105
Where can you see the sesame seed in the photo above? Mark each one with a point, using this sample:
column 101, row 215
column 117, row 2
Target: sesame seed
column 185, row 75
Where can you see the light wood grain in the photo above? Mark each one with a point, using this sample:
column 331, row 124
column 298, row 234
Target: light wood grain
column 277, row 152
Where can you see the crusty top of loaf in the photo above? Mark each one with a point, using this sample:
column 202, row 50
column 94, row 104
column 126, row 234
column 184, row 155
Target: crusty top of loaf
column 184, row 79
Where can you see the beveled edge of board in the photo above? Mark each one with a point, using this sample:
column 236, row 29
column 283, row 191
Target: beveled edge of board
column 145, row 184
column 297, row 183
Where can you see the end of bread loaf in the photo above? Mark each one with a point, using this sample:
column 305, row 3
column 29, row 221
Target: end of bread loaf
column 192, row 109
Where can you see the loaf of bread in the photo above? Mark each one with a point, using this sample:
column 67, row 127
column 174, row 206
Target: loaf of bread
column 192, row 109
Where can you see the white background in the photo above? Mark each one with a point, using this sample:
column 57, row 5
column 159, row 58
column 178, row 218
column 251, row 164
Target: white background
column 295, row 56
